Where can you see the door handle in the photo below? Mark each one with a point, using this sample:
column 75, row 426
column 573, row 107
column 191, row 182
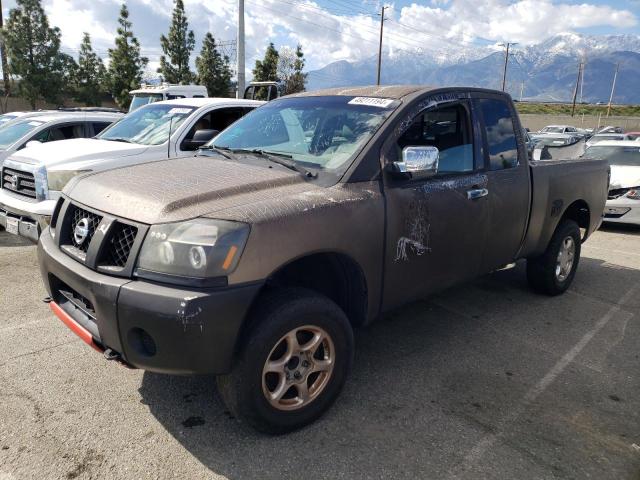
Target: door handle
column 477, row 193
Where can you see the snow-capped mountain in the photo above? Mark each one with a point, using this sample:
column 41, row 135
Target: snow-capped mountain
column 546, row 71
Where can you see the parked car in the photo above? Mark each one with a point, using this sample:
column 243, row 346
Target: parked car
column 565, row 129
column 318, row 212
column 610, row 129
column 555, row 139
column 157, row 93
column 633, row 135
column 623, row 203
column 140, row 136
column 603, row 137
column 50, row 126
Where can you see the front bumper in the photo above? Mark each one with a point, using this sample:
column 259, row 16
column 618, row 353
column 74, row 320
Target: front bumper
column 30, row 217
column 146, row 325
column 622, row 210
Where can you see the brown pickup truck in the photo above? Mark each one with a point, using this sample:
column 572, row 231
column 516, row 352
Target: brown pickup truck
column 314, row 214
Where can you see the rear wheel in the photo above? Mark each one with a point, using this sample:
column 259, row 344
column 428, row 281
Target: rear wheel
column 294, row 363
column 553, row 271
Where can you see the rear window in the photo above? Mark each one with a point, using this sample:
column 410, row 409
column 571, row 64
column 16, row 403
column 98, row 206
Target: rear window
column 501, row 136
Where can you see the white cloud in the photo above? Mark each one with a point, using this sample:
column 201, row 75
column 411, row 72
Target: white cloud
column 325, row 36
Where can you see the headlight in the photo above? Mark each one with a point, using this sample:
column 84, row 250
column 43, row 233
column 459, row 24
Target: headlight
column 200, row 248
column 57, row 179
column 634, row 193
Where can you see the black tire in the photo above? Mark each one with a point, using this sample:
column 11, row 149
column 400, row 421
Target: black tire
column 278, row 313
column 541, row 271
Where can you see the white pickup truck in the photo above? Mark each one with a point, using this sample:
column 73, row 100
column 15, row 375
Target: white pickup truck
column 33, row 178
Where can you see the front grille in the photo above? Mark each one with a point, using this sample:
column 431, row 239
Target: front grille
column 617, row 193
column 99, row 241
column 90, row 220
column 22, row 183
column 119, row 245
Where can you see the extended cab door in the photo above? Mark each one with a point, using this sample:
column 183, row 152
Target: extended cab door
column 509, row 187
column 436, row 227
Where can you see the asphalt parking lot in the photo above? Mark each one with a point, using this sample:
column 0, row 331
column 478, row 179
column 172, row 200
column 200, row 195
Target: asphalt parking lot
column 487, row 380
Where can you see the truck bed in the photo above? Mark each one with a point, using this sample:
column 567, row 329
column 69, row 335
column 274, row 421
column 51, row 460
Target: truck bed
column 559, row 185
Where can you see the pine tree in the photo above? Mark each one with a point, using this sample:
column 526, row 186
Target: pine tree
column 33, row 50
column 126, row 66
column 177, row 48
column 290, row 70
column 89, row 77
column 213, row 69
column 267, row 69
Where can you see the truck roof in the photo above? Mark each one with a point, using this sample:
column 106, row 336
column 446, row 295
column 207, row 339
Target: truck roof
column 203, row 102
column 55, row 116
column 386, row 91
column 395, row 92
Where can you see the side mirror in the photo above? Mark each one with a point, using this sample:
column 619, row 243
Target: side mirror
column 418, row 162
column 200, row 138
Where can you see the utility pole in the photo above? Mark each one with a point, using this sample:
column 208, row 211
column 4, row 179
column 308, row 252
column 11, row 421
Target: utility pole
column 240, row 53
column 575, row 90
column 506, row 61
column 613, row 87
column 521, row 90
column 3, row 54
column 380, row 45
column 584, row 64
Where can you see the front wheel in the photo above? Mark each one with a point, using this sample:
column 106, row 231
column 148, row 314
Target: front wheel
column 553, row 271
column 294, row 363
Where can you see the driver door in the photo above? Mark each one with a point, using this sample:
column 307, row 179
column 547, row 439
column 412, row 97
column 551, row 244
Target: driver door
column 436, row 227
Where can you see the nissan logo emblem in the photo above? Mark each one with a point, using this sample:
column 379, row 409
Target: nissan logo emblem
column 81, row 231
column 14, row 182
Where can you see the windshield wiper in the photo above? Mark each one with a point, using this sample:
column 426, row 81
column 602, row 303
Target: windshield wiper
column 118, row 139
column 219, row 150
column 279, row 158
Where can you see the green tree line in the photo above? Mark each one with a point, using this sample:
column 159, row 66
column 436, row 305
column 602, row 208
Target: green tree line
column 44, row 73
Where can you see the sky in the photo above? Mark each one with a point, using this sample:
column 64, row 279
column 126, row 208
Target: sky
column 331, row 30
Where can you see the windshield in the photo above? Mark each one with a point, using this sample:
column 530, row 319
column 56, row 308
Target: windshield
column 7, row 117
column 318, row 132
column 624, row 156
column 140, row 99
column 553, row 130
column 12, row 133
column 148, row 125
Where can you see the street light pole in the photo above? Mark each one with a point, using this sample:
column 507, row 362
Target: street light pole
column 240, row 53
column 506, row 62
column 380, row 44
column 613, row 87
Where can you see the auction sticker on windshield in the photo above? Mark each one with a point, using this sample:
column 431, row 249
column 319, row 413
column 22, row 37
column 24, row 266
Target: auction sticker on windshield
column 371, row 101
column 179, row 111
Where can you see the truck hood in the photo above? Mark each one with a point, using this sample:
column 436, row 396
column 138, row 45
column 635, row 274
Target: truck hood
column 179, row 189
column 79, row 152
column 623, row 176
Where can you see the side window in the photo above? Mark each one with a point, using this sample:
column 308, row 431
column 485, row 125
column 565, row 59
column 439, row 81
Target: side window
column 223, row 117
column 62, row 132
column 99, row 126
column 448, row 129
column 501, row 137
column 173, row 97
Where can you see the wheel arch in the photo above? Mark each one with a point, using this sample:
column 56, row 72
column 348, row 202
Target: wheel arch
column 579, row 212
column 333, row 274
